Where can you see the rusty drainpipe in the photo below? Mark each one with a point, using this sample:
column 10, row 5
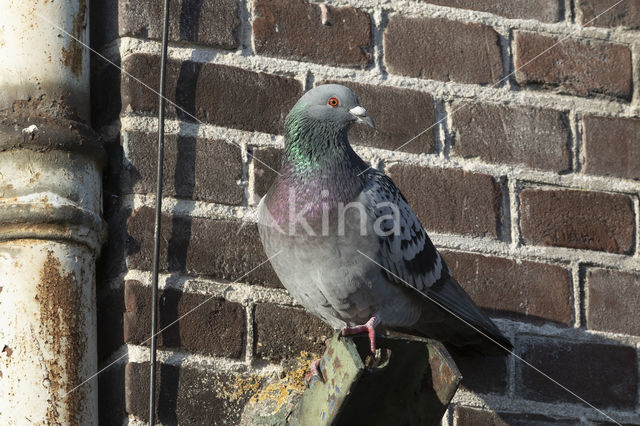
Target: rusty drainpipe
column 51, row 225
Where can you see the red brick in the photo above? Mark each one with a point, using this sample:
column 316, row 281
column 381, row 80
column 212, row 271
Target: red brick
column 218, row 94
column 535, row 137
column 611, row 147
column 219, row 248
column 282, row 332
column 204, row 324
column 194, row 168
column 188, row 395
column 464, row 416
column 448, row 200
column 294, row 29
column 210, row 22
column 577, row 219
column 399, row 114
column 521, row 289
column 265, row 161
column 541, row 10
column 583, row 67
column 439, row 49
column 609, row 13
column 605, row 375
column 613, row 301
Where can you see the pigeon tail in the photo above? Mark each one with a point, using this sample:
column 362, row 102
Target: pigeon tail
column 450, row 316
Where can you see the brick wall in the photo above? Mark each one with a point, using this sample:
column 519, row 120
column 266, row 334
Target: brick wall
column 528, row 183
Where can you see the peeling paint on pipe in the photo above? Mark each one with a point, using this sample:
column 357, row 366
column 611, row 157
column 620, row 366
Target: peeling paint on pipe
column 51, row 225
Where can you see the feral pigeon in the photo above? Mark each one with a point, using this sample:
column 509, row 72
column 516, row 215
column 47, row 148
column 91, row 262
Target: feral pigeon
column 346, row 244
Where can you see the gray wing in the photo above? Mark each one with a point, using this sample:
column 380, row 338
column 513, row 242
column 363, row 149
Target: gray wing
column 410, row 258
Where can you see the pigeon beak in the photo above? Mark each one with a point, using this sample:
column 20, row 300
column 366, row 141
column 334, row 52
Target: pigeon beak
column 362, row 116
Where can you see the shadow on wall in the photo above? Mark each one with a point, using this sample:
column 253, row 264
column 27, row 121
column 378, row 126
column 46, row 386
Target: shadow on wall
column 105, row 113
column 184, row 183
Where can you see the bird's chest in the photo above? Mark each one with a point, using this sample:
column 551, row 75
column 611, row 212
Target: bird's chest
column 323, row 205
column 325, row 273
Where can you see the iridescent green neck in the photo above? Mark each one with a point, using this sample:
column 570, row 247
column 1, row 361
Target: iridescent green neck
column 311, row 145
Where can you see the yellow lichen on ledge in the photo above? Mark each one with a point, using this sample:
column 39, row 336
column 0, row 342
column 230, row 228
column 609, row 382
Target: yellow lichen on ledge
column 291, row 383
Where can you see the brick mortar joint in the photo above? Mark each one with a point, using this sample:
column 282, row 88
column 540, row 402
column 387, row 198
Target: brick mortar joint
column 578, row 295
column 247, row 295
column 180, row 358
column 576, row 141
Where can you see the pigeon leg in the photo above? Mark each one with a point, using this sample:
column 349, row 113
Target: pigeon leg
column 314, row 374
column 369, row 327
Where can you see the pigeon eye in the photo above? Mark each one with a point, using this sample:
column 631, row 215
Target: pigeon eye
column 333, row 101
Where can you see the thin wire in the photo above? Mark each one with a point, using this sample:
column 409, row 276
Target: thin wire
column 157, row 228
column 497, row 83
column 115, row 361
column 493, row 340
column 136, row 79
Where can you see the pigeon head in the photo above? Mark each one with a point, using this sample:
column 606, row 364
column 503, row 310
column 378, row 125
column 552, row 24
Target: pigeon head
column 333, row 105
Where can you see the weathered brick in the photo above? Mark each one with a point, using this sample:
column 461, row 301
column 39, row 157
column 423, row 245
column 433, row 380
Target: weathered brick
column 605, row 375
column 464, row 416
column 210, row 22
column 613, row 301
column 541, row 10
column 204, row 324
column 448, row 200
column 295, row 29
column 535, row 137
column 282, row 332
column 439, row 49
column 217, row 94
column 521, row 289
column 611, row 147
column 265, row 161
column 220, row 248
column 577, row 219
column 194, row 168
column 608, row 13
column 399, row 114
column 189, row 395
column 583, row 67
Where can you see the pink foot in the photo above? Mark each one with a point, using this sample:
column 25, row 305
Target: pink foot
column 369, row 327
column 314, row 373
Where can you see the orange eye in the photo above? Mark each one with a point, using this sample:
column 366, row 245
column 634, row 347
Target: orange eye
column 333, row 102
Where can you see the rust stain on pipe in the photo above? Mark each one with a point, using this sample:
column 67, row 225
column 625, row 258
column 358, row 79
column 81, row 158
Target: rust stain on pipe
column 72, row 55
column 61, row 328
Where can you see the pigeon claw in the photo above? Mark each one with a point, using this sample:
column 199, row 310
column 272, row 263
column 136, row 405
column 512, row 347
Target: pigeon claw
column 314, row 374
column 369, row 327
